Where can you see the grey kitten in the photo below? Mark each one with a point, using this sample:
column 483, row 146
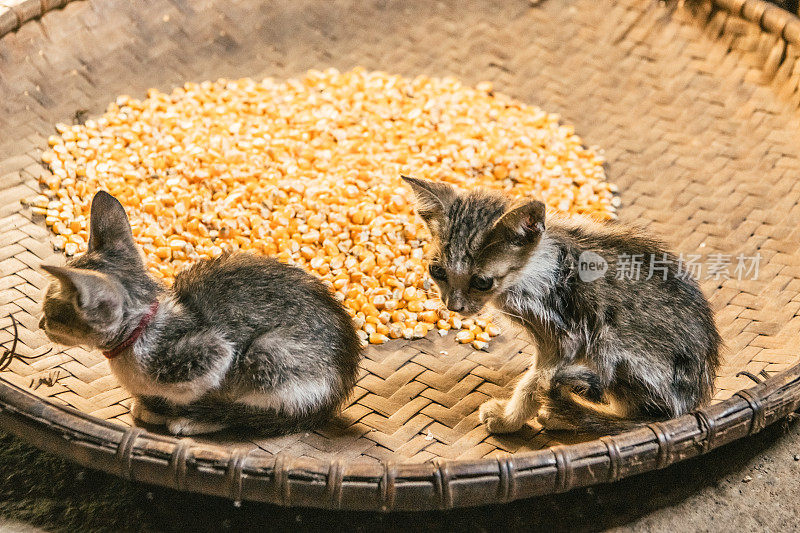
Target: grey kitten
column 237, row 341
column 612, row 352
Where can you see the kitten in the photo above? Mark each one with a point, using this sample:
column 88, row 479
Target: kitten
column 237, row 341
column 612, row 352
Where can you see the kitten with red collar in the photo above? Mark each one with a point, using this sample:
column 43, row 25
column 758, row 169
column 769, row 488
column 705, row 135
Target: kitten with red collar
column 237, row 341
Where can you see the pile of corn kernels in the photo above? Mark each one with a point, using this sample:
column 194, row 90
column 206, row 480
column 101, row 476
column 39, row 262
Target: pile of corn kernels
column 308, row 170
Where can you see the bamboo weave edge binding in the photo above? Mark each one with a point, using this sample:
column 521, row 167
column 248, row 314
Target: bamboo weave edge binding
column 283, row 480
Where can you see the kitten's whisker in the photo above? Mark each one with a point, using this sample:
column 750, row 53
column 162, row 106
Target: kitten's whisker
column 498, row 320
column 512, row 315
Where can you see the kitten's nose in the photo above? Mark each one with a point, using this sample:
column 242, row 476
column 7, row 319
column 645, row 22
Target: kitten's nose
column 455, row 304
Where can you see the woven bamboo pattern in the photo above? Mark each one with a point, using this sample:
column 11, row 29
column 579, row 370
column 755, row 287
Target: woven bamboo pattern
column 695, row 105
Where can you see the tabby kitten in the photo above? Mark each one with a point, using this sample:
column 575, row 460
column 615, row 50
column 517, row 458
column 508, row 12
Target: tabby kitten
column 613, row 351
column 237, row 341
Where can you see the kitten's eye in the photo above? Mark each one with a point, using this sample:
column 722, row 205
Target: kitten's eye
column 437, row 272
column 481, row 283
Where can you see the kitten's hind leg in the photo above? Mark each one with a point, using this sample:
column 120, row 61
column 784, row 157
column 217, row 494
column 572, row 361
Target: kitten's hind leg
column 580, row 380
column 194, row 365
column 140, row 412
column 576, row 379
column 508, row 416
column 577, row 399
column 284, row 379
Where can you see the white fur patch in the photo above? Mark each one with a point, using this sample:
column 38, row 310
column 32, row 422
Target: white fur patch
column 292, row 398
column 187, row 426
column 131, row 375
column 188, row 391
column 524, row 294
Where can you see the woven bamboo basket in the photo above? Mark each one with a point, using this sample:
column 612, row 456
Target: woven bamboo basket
column 696, row 106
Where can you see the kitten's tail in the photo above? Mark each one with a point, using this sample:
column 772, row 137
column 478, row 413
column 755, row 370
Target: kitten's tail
column 563, row 409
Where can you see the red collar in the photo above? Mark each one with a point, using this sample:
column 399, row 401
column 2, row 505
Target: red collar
column 134, row 336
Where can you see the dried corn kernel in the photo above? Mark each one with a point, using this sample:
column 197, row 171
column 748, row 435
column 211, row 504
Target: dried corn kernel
column 377, row 338
column 309, row 171
column 465, row 336
column 480, row 345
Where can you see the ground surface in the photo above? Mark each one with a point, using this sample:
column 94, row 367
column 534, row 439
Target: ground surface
column 750, row 485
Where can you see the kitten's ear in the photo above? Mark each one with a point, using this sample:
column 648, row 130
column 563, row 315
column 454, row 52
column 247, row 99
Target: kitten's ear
column 433, row 200
column 523, row 225
column 97, row 296
column 108, row 225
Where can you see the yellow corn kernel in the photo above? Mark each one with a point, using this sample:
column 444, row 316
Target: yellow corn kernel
column 429, row 316
column 465, row 336
column 415, row 306
column 480, row 345
column 395, row 331
column 377, row 338
column 370, row 310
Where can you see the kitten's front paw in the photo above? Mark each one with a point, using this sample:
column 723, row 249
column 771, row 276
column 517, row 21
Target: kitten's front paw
column 142, row 414
column 187, row 426
column 492, row 414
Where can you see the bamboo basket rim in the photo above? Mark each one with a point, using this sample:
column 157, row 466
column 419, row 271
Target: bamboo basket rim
column 183, row 464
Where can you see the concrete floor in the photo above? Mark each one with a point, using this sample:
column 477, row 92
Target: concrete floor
column 758, row 491
column 750, row 485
